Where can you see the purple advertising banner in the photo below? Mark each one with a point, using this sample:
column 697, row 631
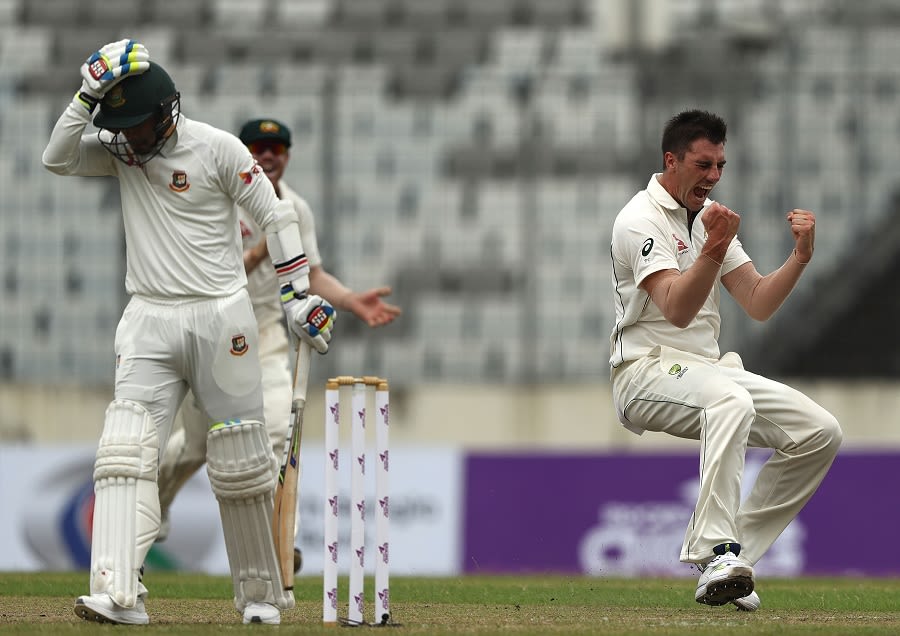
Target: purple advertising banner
column 625, row 515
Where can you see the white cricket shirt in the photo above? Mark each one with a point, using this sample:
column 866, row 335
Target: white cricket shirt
column 262, row 282
column 651, row 234
column 181, row 220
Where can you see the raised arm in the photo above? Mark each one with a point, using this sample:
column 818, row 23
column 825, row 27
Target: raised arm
column 761, row 296
column 69, row 152
column 680, row 295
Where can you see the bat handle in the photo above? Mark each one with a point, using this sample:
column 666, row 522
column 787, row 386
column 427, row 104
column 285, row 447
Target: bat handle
column 301, row 374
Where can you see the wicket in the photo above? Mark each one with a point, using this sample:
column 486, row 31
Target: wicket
column 361, row 386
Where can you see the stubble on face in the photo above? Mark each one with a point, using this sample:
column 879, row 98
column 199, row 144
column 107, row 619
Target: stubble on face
column 695, row 175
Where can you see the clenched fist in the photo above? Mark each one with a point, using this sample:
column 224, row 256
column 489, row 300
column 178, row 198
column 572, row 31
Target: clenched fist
column 721, row 226
column 803, row 227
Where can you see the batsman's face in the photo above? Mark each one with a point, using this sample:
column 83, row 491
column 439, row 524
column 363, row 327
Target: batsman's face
column 272, row 157
column 142, row 138
column 693, row 177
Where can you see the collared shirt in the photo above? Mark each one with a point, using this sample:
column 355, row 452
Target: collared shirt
column 262, row 282
column 179, row 209
column 651, row 234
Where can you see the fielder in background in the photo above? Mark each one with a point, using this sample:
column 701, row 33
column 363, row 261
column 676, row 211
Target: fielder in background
column 269, row 141
column 189, row 324
column 671, row 247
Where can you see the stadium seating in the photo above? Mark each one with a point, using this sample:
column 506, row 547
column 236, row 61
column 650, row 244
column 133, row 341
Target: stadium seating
column 467, row 152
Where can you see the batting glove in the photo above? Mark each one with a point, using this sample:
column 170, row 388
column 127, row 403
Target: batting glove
column 311, row 318
column 109, row 66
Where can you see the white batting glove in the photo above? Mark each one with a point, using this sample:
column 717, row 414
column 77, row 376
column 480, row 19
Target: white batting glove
column 109, row 66
column 311, row 318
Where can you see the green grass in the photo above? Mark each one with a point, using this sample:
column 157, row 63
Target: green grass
column 195, row 604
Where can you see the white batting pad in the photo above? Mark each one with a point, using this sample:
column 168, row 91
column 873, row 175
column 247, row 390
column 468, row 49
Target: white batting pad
column 126, row 504
column 240, row 467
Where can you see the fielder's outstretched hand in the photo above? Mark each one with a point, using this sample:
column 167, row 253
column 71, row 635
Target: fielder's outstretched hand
column 109, row 66
column 369, row 307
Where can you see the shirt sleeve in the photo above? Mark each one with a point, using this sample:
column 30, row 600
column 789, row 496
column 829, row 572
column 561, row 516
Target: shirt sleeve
column 72, row 152
column 643, row 247
column 735, row 256
column 245, row 181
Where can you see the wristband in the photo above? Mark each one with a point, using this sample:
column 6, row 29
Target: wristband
column 289, row 294
column 797, row 258
column 718, row 264
column 88, row 101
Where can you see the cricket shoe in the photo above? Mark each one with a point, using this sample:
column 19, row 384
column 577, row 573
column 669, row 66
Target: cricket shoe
column 749, row 603
column 724, row 579
column 102, row 609
column 265, row 613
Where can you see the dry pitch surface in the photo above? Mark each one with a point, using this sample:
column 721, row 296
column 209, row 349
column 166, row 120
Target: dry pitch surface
column 195, row 604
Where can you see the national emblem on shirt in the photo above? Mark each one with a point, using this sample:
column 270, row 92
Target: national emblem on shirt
column 247, row 177
column 239, row 345
column 680, row 246
column 179, row 181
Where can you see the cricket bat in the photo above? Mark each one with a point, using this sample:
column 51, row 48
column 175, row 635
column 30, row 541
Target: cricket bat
column 285, row 513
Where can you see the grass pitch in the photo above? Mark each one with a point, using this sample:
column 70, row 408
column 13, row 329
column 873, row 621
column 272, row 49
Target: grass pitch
column 41, row 603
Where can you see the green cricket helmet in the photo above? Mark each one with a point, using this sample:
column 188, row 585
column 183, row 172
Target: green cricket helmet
column 133, row 101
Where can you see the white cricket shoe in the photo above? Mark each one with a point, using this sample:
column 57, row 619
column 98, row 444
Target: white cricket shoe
column 265, row 613
column 749, row 603
column 723, row 580
column 101, row 608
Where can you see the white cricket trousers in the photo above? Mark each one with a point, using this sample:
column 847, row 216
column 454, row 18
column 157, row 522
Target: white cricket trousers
column 728, row 409
column 165, row 347
column 186, row 449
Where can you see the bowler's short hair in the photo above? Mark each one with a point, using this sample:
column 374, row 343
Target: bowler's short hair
column 688, row 126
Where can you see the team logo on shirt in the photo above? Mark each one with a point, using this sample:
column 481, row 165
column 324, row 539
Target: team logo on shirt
column 680, row 246
column 247, row 177
column 179, row 181
column 239, row 345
